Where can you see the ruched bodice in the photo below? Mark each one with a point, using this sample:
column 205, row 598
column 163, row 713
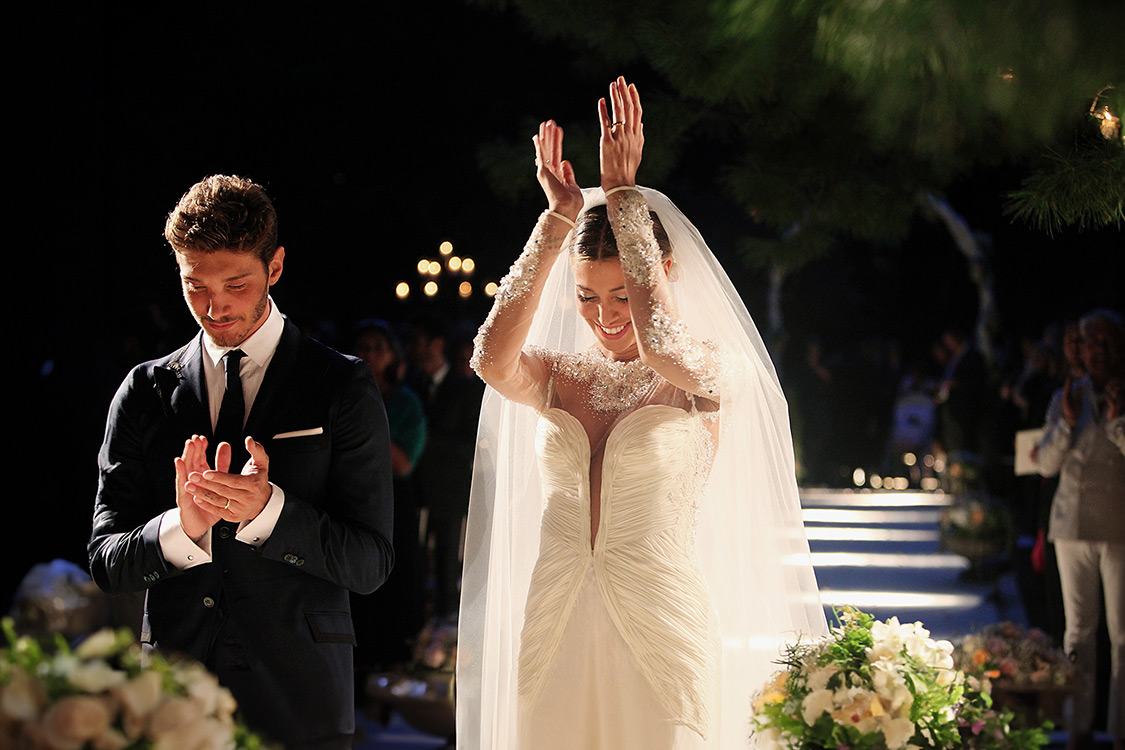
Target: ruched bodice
column 654, row 467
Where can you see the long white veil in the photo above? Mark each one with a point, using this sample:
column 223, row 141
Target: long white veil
column 750, row 539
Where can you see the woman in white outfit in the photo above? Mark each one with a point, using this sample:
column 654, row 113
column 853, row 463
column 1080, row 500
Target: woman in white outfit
column 635, row 554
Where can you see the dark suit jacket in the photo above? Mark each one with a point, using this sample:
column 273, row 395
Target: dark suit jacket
column 287, row 601
column 445, row 470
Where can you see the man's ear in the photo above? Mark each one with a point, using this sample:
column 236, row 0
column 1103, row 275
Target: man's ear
column 277, row 262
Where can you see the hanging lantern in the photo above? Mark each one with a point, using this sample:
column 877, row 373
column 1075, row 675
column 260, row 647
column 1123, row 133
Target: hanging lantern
column 1108, row 123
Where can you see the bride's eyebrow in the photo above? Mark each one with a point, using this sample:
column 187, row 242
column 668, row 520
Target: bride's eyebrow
column 588, row 289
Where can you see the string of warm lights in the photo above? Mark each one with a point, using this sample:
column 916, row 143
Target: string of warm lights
column 431, row 270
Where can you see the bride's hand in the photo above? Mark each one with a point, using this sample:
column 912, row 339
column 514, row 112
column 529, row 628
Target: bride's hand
column 623, row 137
column 555, row 174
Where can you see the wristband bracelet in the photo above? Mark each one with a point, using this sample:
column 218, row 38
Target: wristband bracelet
column 619, row 188
column 559, row 216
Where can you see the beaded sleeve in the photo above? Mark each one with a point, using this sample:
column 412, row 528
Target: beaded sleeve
column 497, row 345
column 661, row 334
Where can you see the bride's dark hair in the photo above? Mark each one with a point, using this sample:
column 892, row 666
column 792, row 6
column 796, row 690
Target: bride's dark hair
column 593, row 237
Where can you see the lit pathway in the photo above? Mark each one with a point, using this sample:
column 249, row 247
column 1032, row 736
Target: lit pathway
column 881, row 551
column 877, row 550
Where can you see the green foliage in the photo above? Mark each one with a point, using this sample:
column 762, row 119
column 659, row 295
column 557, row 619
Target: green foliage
column 831, row 115
column 1084, row 188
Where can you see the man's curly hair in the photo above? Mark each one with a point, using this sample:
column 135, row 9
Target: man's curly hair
column 224, row 212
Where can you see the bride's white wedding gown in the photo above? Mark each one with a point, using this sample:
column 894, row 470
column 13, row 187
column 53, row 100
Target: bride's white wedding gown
column 619, row 648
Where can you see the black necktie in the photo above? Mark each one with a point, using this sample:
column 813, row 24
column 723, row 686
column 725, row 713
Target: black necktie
column 228, row 428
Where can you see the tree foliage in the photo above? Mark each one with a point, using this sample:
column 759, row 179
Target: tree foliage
column 832, row 116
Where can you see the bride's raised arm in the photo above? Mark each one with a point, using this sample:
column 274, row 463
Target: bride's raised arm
column 662, row 338
column 498, row 355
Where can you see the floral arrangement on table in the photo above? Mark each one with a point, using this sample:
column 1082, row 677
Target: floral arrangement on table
column 1026, row 673
column 963, row 475
column 873, row 685
column 1008, row 653
column 106, row 694
column 975, row 527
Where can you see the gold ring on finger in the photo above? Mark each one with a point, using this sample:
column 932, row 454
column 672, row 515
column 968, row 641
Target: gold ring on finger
column 227, row 506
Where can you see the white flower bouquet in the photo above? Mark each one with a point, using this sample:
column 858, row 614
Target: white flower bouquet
column 880, row 686
column 106, row 694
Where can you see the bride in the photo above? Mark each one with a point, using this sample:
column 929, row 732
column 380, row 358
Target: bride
column 635, row 555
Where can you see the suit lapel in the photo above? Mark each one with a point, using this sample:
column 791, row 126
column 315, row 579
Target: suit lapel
column 279, row 386
column 184, row 390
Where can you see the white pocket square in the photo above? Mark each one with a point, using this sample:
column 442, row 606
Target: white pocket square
column 299, row 433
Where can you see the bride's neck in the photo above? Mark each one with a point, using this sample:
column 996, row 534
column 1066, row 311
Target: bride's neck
column 625, row 356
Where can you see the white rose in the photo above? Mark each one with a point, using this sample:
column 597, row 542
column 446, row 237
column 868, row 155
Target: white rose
column 897, row 732
column 203, row 688
column 138, row 697
column 816, row 703
column 95, row 676
column 111, row 739
column 818, row 679
column 99, row 644
column 22, row 698
column 205, row 734
column 73, row 721
column 946, row 677
column 891, row 687
column 172, row 719
column 867, row 724
column 769, row 739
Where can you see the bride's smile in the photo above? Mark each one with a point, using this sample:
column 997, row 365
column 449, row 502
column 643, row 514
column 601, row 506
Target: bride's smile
column 604, row 305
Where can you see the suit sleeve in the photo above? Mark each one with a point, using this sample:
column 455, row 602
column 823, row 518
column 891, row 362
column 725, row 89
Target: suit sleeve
column 124, row 549
column 344, row 536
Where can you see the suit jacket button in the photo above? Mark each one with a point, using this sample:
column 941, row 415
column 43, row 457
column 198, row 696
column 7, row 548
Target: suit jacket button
column 224, row 533
column 208, row 602
column 291, row 559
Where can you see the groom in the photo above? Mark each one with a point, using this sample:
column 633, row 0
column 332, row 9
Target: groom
column 245, row 483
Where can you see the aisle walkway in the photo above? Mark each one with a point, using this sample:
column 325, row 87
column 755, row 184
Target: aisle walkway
column 879, row 551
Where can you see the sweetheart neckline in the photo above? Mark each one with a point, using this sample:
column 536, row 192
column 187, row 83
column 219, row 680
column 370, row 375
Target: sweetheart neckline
column 613, row 428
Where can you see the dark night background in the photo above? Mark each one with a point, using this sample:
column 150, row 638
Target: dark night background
column 363, row 120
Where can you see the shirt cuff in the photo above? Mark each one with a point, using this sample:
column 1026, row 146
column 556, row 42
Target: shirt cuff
column 256, row 531
column 177, row 547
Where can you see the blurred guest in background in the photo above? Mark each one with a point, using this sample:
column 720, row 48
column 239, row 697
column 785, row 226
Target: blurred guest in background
column 964, row 398
column 1084, row 444
column 445, row 470
column 389, row 619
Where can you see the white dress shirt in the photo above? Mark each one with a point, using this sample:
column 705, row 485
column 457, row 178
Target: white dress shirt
column 178, row 548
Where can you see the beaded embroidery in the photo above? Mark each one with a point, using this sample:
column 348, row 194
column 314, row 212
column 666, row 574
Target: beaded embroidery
column 666, row 335
column 517, row 283
column 521, row 276
column 612, row 385
column 639, row 251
